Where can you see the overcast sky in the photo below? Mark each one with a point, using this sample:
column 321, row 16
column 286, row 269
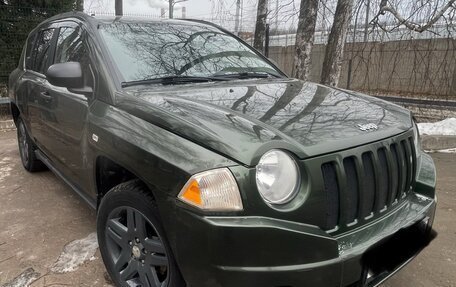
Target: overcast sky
column 221, row 12
column 195, row 8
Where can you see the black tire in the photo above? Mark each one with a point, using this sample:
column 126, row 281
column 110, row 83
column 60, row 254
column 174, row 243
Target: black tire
column 132, row 241
column 27, row 149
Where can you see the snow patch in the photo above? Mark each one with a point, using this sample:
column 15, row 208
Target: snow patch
column 24, row 279
column 446, row 127
column 450, row 150
column 5, row 168
column 76, row 253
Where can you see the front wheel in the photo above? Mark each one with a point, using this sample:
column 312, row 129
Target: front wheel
column 132, row 242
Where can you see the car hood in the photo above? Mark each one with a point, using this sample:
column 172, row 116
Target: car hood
column 243, row 119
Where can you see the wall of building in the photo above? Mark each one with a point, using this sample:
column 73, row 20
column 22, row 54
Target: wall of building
column 412, row 67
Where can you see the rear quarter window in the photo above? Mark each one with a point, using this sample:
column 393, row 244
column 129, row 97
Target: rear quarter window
column 28, row 51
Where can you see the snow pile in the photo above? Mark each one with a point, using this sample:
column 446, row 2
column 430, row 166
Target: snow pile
column 24, row 279
column 76, row 253
column 446, row 127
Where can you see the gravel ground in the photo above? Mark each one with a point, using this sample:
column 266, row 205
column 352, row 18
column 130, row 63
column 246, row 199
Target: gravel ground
column 47, row 236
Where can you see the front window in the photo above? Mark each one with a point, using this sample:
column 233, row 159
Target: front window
column 155, row 50
column 40, row 61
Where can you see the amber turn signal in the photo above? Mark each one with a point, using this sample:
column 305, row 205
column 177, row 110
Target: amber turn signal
column 192, row 193
column 214, row 190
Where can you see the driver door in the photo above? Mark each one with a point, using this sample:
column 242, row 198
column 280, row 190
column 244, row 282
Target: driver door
column 71, row 109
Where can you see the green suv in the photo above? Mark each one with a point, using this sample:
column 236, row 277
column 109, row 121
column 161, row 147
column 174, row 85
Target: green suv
column 208, row 166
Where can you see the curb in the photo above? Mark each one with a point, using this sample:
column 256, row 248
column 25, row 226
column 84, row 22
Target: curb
column 434, row 142
column 7, row 125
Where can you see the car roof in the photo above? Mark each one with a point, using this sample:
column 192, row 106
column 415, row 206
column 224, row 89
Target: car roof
column 95, row 20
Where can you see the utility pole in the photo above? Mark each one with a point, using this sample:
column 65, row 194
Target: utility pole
column 171, row 7
column 242, row 10
column 118, row 7
column 277, row 17
column 236, row 21
column 366, row 27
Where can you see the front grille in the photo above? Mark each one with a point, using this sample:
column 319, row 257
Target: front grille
column 365, row 184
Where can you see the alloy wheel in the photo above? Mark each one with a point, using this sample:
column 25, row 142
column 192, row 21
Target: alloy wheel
column 136, row 249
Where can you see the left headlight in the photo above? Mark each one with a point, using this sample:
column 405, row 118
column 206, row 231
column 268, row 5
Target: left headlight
column 212, row 190
column 277, row 177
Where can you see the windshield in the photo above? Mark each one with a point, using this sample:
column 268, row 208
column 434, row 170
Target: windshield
column 144, row 51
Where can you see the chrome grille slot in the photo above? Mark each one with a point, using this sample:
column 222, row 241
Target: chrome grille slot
column 331, row 186
column 384, row 180
column 395, row 173
column 352, row 190
column 369, row 188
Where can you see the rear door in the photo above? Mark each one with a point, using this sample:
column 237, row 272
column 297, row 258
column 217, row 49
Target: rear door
column 39, row 103
column 68, row 130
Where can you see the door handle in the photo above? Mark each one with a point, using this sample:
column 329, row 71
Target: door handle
column 46, row 96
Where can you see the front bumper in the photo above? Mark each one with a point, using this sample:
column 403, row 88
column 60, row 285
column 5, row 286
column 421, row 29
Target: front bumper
column 268, row 252
column 255, row 251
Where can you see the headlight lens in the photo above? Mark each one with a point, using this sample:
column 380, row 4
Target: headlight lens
column 213, row 190
column 277, row 177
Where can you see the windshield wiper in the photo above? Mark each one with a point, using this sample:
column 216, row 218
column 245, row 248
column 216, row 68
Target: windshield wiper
column 171, row 80
column 247, row 75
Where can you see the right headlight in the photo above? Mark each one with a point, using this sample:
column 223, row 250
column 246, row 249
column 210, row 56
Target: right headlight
column 277, row 177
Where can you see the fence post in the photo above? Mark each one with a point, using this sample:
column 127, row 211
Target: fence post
column 266, row 41
column 453, row 85
column 119, row 8
column 349, row 72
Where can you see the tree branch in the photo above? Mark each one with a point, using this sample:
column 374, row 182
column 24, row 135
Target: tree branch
column 384, row 7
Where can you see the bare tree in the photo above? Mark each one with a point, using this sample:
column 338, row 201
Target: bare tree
column 260, row 27
column 336, row 42
column 305, row 38
column 417, row 27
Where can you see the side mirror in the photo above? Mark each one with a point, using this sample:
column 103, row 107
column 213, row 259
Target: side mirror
column 67, row 75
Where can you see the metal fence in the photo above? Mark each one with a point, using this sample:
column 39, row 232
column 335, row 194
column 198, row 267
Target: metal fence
column 15, row 24
column 397, row 62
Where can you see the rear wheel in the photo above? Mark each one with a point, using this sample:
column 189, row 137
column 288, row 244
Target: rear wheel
column 132, row 241
column 27, row 149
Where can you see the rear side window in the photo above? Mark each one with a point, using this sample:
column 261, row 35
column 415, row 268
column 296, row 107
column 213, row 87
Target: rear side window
column 42, row 51
column 28, row 51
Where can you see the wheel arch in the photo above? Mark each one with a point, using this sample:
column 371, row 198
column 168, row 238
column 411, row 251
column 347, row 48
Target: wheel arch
column 15, row 112
column 109, row 173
